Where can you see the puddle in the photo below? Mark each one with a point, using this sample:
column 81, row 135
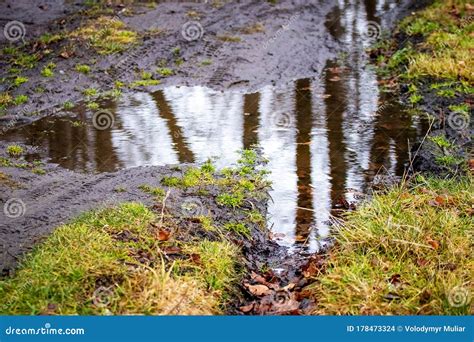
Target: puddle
column 326, row 137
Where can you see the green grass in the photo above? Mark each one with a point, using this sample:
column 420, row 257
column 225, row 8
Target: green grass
column 463, row 108
column 48, row 70
column 448, row 160
column 15, row 150
column 441, row 141
column 90, row 92
column 406, row 252
column 48, row 38
column 20, row 99
column 217, row 261
column 233, row 200
column 155, row 191
column 144, row 83
column 83, row 68
column 96, row 265
column 68, row 105
column 445, row 53
column 106, row 35
column 19, row 80
column 165, row 72
column 239, row 228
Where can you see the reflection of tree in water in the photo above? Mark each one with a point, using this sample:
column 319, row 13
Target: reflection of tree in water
column 303, row 114
column 185, row 154
column 251, row 117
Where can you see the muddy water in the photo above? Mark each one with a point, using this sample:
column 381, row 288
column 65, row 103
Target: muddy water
column 326, row 137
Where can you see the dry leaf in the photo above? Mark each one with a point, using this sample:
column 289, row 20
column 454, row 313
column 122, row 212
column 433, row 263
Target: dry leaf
column 433, row 243
column 246, row 308
column 171, row 250
column 258, row 290
column 162, row 235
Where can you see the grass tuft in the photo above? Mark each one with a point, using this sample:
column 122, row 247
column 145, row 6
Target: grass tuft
column 406, row 252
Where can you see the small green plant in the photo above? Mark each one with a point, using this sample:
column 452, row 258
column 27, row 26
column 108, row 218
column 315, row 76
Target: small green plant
column 83, row 68
column 5, row 100
column 238, row 228
column 90, row 92
column 68, row 105
column 446, row 92
column 165, row 71
column 460, row 108
column 159, row 192
column 206, row 62
column 415, row 98
column 176, row 51
column 19, row 80
column 48, row 38
column 441, row 141
column 20, row 99
column 145, row 75
column 15, row 150
column 48, row 70
column 233, row 200
column 38, row 171
column 448, row 160
column 144, row 83
column 206, row 223
column 171, row 181
column 229, row 38
column 92, row 105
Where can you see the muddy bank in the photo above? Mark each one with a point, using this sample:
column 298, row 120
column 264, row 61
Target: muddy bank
column 415, row 67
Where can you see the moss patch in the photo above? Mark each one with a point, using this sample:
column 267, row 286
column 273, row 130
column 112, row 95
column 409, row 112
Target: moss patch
column 106, row 35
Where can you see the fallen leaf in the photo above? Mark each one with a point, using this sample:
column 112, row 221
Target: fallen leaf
column 300, row 238
column 421, row 262
column 247, row 308
column 433, row 243
column 171, row 250
column 311, row 269
column 440, row 200
column 258, row 290
column 162, row 235
column 66, row 54
column 196, row 258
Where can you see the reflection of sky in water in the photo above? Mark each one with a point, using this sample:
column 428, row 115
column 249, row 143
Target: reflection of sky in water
column 210, row 121
column 143, row 138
